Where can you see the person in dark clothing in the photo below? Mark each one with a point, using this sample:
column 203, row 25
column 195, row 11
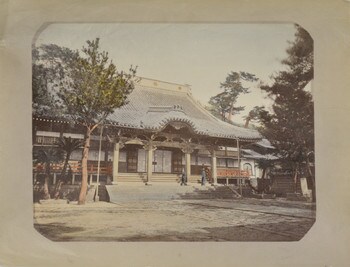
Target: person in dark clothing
column 183, row 178
column 204, row 174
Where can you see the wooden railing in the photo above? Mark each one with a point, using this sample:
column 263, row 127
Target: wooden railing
column 46, row 140
column 107, row 169
column 75, row 167
column 229, row 172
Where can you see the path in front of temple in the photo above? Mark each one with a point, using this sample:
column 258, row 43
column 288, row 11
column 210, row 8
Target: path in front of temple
column 175, row 220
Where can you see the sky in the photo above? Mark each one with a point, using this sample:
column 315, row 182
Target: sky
column 200, row 55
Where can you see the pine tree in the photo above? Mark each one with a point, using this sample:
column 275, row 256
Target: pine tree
column 224, row 103
column 290, row 126
column 93, row 91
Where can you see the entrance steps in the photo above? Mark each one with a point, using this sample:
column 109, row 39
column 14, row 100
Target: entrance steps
column 160, row 178
column 156, row 178
column 132, row 192
column 132, row 178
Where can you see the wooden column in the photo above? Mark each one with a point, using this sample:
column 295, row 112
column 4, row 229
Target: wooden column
column 149, row 148
column 117, row 147
column 149, row 165
column 188, row 151
column 54, row 178
column 188, row 165
column 213, row 167
column 239, row 167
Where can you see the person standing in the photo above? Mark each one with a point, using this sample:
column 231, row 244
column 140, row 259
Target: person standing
column 203, row 175
column 183, row 177
column 208, row 175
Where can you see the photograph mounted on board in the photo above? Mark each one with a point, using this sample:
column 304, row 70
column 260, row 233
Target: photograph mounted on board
column 173, row 132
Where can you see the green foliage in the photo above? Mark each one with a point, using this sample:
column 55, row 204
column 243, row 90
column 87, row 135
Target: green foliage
column 300, row 59
column 253, row 115
column 95, row 87
column 48, row 156
column 50, row 66
column 68, row 145
column 233, row 83
column 290, row 127
column 224, row 103
column 84, row 86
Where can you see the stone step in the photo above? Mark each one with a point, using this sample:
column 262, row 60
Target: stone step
column 90, row 194
column 130, row 177
column 163, row 191
column 165, row 178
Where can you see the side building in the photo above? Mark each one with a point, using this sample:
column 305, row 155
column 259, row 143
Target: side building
column 161, row 132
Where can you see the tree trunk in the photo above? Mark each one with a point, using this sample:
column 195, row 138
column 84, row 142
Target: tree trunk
column 46, row 183
column 58, row 189
column 64, row 169
column 230, row 113
column 263, row 181
column 295, row 179
column 313, row 186
column 84, row 176
column 247, row 120
column 263, row 174
column 223, row 116
column 62, row 177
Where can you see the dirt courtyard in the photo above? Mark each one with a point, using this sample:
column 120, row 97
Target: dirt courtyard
column 175, row 220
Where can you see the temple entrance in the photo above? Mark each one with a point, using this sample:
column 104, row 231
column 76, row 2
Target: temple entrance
column 178, row 162
column 162, row 161
column 131, row 161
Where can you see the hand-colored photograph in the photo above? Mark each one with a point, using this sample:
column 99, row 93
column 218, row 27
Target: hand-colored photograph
column 173, row 132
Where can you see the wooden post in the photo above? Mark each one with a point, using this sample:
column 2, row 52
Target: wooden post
column 149, row 148
column 149, row 165
column 188, row 165
column 239, row 166
column 97, row 197
column 213, row 167
column 117, row 147
column 188, row 150
column 54, row 178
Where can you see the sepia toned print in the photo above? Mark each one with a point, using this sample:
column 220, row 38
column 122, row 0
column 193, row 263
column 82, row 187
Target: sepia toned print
column 173, row 132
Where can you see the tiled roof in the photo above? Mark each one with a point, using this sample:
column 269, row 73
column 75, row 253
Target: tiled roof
column 153, row 104
column 248, row 153
column 265, row 144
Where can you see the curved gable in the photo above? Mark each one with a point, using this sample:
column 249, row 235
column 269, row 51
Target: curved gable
column 154, row 104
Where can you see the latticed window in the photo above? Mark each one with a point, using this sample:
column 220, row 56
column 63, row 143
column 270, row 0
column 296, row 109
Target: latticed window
column 232, row 163
column 221, row 162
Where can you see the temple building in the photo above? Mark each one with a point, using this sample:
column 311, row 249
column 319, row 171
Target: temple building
column 160, row 133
